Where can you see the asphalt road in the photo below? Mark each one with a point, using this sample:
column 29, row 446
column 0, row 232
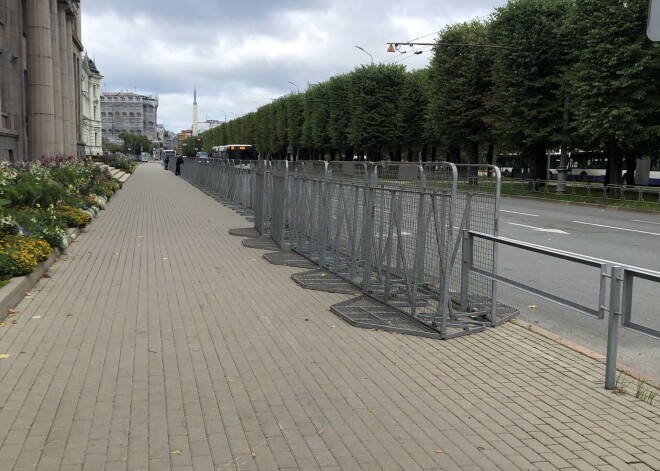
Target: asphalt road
column 618, row 236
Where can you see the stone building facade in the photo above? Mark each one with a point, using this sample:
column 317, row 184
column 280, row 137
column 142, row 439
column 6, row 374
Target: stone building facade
column 40, row 69
column 90, row 83
column 181, row 140
column 128, row 112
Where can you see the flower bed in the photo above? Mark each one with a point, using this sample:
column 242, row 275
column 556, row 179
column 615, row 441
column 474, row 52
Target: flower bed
column 39, row 202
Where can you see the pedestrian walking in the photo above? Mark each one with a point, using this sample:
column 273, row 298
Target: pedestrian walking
column 179, row 162
column 166, row 160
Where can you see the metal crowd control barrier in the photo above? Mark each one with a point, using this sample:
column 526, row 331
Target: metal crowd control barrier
column 263, row 196
column 279, row 210
column 391, row 233
column 394, row 230
column 421, row 238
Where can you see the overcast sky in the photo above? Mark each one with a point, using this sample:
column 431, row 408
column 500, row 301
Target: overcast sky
column 242, row 54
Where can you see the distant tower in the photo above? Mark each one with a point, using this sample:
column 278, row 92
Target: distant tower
column 194, row 123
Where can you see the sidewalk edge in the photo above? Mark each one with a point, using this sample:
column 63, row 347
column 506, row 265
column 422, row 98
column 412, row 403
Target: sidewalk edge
column 600, row 358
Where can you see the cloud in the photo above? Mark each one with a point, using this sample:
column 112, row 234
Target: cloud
column 238, row 54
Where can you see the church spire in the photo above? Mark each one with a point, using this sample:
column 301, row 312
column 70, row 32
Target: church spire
column 194, row 116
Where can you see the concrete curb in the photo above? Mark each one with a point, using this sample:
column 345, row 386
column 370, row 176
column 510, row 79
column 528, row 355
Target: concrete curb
column 655, row 382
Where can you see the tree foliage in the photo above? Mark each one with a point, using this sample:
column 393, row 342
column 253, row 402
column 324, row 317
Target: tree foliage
column 508, row 82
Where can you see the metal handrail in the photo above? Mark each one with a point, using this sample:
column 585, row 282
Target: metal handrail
column 621, row 292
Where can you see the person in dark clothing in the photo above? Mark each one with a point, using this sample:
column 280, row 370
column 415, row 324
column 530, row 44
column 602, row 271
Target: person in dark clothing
column 166, row 160
column 179, row 161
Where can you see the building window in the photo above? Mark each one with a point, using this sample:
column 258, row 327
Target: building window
column 102, row 113
column 139, row 114
column 124, row 113
column 131, row 114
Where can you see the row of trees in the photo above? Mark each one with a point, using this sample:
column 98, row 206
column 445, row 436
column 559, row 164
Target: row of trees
column 537, row 75
column 133, row 144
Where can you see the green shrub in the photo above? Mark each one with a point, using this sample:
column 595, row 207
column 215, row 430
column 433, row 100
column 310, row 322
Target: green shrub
column 122, row 163
column 32, row 189
column 73, row 217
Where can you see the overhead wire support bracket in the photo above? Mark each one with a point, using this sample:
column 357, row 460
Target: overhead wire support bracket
column 394, row 47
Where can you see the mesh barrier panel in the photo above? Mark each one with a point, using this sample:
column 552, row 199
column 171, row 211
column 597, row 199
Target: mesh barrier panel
column 476, row 208
column 262, row 197
column 280, row 202
column 393, row 230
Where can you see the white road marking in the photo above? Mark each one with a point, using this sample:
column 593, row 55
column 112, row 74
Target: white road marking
column 646, row 222
column 540, row 229
column 516, row 212
column 617, row 228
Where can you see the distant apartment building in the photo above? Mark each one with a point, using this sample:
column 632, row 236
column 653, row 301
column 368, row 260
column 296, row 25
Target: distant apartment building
column 128, row 112
column 169, row 140
column 40, row 87
column 91, row 107
column 181, row 140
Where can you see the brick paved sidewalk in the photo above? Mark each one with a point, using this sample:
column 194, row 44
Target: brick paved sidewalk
column 161, row 343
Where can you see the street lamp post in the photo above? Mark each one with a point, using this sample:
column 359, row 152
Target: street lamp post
column 372, row 57
column 222, row 111
column 295, row 86
column 235, row 115
column 259, row 105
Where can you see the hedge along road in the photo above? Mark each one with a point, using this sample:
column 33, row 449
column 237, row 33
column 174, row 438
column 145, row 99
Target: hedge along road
column 619, row 236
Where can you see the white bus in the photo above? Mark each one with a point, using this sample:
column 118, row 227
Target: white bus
column 588, row 166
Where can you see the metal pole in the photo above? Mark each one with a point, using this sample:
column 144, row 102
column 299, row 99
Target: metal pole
column 613, row 327
column 372, row 57
column 467, row 256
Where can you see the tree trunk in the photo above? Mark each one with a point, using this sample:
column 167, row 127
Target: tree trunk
column 474, row 152
column 490, row 153
column 473, row 158
column 631, row 166
column 614, row 163
column 454, row 154
column 537, row 159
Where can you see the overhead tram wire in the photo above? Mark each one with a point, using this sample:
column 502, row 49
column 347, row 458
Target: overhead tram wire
column 404, row 55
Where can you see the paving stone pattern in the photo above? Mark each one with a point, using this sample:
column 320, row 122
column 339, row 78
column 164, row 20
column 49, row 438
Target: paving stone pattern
column 163, row 344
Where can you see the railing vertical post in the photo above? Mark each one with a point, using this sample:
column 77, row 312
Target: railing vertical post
column 368, row 231
column 626, row 298
column 602, row 290
column 420, row 243
column 613, row 327
column 325, row 215
column 466, row 252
